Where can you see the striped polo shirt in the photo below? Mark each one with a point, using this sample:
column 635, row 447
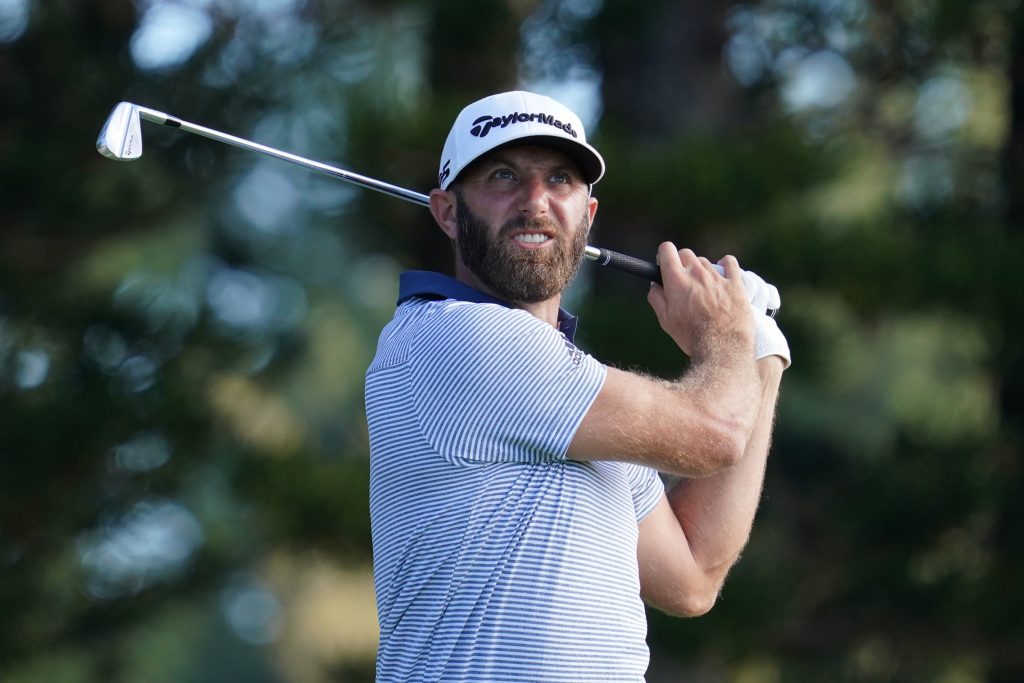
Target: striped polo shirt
column 496, row 558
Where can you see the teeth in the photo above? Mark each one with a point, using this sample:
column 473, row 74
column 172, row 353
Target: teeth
column 532, row 238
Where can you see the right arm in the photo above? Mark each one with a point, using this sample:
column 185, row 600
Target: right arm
column 700, row 423
column 713, row 426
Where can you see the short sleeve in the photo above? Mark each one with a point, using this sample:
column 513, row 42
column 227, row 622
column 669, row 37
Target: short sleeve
column 647, row 488
column 493, row 384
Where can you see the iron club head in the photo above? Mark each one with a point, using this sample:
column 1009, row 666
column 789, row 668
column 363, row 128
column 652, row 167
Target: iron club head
column 121, row 136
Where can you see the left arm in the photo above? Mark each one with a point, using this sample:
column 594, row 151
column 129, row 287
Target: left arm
column 696, row 532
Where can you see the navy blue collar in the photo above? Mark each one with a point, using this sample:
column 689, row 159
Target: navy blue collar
column 429, row 285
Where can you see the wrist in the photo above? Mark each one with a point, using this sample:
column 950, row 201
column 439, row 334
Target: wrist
column 769, row 340
column 724, row 346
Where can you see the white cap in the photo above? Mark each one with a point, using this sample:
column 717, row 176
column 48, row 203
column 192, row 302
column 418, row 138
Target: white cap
column 518, row 118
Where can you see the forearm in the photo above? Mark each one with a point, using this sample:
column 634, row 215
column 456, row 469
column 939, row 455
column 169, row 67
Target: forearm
column 726, row 394
column 716, row 512
column 702, row 423
column 693, row 427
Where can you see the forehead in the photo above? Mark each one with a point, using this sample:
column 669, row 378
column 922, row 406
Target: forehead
column 525, row 156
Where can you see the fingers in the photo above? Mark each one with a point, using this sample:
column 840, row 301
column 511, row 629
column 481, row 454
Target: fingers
column 731, row 266
column 677, row 263
column 757, row 290
column 763, row 296
column 673, row 261
column 656, row 298
column 682, row 263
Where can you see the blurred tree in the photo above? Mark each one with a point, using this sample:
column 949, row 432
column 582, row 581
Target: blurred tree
column 858, row 167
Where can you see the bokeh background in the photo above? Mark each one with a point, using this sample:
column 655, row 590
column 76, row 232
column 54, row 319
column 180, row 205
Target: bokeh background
column 183, row 452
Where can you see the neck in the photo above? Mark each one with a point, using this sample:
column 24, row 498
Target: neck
column 546, row 310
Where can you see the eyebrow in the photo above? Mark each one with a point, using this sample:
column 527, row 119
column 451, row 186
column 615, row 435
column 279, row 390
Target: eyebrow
column 566, row 166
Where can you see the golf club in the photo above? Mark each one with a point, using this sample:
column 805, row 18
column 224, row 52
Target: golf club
column 121, row 139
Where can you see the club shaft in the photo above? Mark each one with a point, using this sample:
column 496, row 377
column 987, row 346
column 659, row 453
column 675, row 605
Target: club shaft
column 604, row 257
column 363, row 181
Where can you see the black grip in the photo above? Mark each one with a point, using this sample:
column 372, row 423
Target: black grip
column 630, row 264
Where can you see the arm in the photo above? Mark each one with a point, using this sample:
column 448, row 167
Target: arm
column 693, row 537
column 700, row 423
column 713, row 427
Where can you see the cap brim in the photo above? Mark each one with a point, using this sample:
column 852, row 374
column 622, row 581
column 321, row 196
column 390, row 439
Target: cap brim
column 590, row 163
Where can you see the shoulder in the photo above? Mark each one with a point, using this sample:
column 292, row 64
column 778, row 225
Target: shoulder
column 470, row 325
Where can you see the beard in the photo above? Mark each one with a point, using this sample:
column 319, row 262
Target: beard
column 516, row 274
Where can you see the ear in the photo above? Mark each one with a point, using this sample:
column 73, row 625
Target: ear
column 443, row 206
column 591, row 209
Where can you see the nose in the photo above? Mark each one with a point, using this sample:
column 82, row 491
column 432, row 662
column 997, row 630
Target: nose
column 533, row 196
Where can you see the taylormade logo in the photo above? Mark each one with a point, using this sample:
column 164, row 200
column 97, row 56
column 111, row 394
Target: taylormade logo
column 483, row 125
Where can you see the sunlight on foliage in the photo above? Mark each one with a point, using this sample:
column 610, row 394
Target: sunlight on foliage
column 256, row 416
column 331, row 618
column 923, row 375
column 938, row 386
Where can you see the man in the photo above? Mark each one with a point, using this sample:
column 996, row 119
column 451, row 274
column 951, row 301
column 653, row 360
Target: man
column 518, row 519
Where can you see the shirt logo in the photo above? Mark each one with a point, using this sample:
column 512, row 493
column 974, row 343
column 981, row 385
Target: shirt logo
column 483, row 125
column 575, row 355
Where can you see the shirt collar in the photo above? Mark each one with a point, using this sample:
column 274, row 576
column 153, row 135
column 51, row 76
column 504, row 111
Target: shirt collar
column 429, row 285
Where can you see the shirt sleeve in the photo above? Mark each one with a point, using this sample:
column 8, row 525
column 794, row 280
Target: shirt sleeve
column 492, row 384
column 647, row 488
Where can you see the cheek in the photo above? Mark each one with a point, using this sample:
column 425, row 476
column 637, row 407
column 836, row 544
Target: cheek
column 495, row 214
column 575, row 216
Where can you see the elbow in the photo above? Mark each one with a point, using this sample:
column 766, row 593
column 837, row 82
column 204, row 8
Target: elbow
column 690, row 604
column 698, row 606
column 692, row 596
column 721, row 437
column 732, row 445
column 725, row 448
column 729, row 434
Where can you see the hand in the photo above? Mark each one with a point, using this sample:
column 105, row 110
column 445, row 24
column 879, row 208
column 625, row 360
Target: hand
column 763, row 296
column 699, row 309
column 768, row 338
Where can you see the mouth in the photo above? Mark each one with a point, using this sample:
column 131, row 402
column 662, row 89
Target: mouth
column 533, row 239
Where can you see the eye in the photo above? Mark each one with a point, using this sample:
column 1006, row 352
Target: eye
column 561, row 178
column 504, row 174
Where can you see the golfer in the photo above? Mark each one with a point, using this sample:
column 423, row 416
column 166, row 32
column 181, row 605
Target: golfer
column 519, row 522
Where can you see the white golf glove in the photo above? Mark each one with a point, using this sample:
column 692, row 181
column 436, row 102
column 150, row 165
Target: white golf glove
column 763, row 296
column 765, row 300
column 768, row 338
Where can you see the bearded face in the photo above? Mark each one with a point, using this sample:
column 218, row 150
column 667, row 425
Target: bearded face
column 516, row 274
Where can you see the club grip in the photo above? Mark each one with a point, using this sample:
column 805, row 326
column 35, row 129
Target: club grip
column 629, row 264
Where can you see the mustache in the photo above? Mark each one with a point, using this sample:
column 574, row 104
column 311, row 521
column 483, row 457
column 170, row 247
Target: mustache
column 533, row 224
